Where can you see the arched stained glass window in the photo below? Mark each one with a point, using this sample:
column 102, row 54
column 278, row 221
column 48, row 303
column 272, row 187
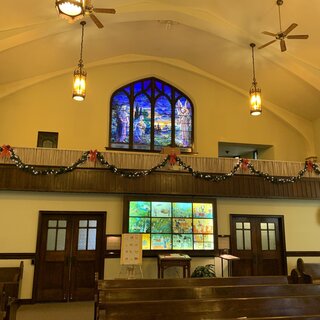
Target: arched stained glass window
column 150, row 114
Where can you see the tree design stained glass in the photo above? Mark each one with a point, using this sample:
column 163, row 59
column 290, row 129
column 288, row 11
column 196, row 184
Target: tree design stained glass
column 150, row 114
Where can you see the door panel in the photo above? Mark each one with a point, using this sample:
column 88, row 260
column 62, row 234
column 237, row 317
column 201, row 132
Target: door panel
column 259, row 243
column 69, row 251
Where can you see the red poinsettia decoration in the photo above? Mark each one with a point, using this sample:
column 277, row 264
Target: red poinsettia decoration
column 172, row 159
column 93, row 155
column 309, row 166
column 5, row 151
column 244, row 164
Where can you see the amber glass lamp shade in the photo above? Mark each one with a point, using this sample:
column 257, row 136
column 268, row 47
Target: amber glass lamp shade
column 79, row 84
column 255, row 101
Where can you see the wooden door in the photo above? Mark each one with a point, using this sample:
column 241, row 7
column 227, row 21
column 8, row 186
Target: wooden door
column 259, row 243
column 70, row 250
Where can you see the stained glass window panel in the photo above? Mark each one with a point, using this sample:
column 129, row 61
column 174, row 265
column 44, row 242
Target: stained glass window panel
column 150, row 114
column 142, row 122
column 162, row 122
column 120, row 123
column 183, row 123
column 182, row 242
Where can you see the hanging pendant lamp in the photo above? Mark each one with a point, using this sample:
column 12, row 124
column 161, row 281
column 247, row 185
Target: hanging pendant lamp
column 255, row 91
column 79, row 74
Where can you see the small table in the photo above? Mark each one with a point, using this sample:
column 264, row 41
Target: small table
column 174, row 260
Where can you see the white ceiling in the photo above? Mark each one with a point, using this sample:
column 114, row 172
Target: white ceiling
column 211, row 37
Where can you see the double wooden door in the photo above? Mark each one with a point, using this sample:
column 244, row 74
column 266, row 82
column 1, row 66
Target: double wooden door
column 259, row 242
column 70, row 250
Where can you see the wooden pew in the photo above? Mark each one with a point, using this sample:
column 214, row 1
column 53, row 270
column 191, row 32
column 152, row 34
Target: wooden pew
column 186, row 282
column 108, row 295
column 146, row 297
column 234, row 308
column 309, row 272
column 10, row 282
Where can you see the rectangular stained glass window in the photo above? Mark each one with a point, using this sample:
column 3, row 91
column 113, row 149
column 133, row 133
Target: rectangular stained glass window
column 173, row 225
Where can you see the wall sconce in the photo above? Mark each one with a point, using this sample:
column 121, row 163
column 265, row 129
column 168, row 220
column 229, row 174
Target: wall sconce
column 255, row 92
column 79, row 74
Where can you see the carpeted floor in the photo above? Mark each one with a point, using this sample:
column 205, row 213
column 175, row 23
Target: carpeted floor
column 57, row 311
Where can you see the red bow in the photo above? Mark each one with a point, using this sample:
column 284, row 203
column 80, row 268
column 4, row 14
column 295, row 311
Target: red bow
column 172, row 159
column 309, row 166
column 5, row 151
column 244, row 164
column 93, row 155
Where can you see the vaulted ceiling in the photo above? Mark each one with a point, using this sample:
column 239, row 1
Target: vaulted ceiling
column 209, row 37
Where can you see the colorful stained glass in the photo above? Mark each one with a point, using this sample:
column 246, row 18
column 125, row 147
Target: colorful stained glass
column 202, row 225
column 183, row 123
column 146, row 241
column 162, row 122
column 161, row 209
column 202, row 210
column 160, row 225
column 139, row 225
column 182, row 242
column 161, row 242
column 181, row 225
column 139, row 209
column 142, row 121
column 145, row 116
column 182, row 209
column 120, row 118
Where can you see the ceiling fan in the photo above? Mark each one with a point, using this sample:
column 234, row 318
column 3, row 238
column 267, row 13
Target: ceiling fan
column 73, row 10
column 90, row 10
column 282, row 35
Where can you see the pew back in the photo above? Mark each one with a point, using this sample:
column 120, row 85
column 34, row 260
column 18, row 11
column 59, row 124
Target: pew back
column 10, row 280
column 310, row 272
column 187, row 282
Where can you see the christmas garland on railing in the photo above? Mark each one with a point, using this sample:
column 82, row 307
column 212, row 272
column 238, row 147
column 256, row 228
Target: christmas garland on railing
column 171, row 159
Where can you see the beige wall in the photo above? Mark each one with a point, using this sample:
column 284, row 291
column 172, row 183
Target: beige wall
column 221, row 113
column 316, row 125
column 20, row 211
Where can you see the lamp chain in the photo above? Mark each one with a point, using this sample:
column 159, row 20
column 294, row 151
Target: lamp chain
column 81, row 46
column 253, row 66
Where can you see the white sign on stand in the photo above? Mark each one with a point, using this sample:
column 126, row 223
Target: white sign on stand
column 131, row 254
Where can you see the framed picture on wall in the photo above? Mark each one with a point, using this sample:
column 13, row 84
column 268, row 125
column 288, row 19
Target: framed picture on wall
column 47, row 139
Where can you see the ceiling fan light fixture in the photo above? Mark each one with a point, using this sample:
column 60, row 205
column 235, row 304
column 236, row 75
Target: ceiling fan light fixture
column 79, row 74
column 71, row 10
column 255, row 92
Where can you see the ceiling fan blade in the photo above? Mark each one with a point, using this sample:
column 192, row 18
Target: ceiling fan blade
column 283, row 45
column 269, row 33
column 96, row 21
column 104, row 10
column 267, row 44
column 298, row 36
column 294, row 25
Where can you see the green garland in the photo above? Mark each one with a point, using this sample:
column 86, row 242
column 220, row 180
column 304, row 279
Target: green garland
column 7, row 151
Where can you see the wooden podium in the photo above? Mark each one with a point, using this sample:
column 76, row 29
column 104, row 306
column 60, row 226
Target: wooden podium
column 174, row 260
column 229, row 258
